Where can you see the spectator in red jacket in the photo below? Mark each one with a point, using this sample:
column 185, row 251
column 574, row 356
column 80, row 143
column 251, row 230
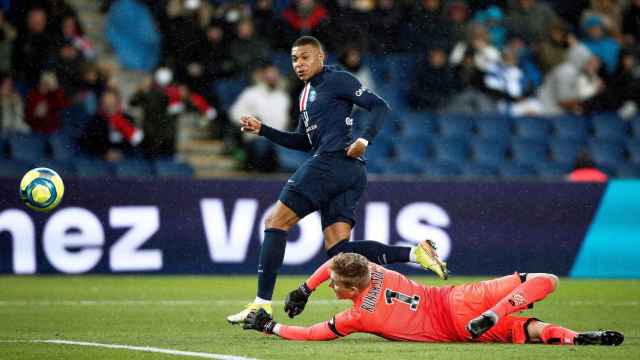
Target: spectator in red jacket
column 111, row 133
column 45, row 104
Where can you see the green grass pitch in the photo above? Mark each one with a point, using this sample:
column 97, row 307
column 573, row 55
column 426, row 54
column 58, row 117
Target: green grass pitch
column 187, row 314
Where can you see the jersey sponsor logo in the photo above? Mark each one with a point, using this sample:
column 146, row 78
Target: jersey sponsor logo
column 348, row 121
column 369, row 302
column 517, row 299
column 361, row 91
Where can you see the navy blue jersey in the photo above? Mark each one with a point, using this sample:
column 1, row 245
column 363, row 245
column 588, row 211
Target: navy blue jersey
column 325, row 122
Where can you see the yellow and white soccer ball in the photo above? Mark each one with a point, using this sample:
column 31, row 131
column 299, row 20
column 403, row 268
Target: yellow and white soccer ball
column 41, row 189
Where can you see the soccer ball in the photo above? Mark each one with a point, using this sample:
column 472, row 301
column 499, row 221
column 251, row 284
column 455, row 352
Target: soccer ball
column 41, row 189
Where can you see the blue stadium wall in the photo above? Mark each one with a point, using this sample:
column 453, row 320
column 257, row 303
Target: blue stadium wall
column 215, row 227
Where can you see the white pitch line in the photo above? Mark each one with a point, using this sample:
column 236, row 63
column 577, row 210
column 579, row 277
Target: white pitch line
column 147, row 302
column 244, row 302
column 135, row 348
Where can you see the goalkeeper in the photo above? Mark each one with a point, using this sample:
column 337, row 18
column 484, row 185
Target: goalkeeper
column 388, row 304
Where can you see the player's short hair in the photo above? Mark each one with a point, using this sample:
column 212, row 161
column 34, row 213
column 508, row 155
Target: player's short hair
column 308, row 40
column 353, row 270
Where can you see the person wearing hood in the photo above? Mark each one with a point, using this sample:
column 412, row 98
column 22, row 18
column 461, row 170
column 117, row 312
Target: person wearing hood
column 566, row 87
column 270, row 103
column 530, row 19
column 601, row 43
column 553, row 49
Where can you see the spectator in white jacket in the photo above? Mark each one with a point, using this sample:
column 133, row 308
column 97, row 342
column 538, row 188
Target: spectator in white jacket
column 268, row 101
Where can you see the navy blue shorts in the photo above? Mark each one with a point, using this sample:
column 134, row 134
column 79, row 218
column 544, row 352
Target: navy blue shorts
column 332, row 183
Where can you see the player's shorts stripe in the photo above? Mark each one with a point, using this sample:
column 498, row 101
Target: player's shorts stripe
column 332, row 326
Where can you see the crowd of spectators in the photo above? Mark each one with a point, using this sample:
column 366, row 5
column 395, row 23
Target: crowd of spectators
column 516, row 57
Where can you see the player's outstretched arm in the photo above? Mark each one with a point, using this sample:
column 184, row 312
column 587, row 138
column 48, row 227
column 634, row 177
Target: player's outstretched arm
column 292, row 140
column 297, row 299
column 261, row 321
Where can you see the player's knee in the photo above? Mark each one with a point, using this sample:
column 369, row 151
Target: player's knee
column 550, row 279
column 275, row 221
column 554, row 281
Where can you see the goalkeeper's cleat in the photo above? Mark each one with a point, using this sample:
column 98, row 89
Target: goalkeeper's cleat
column 600, row 337
column 480, row 325
column 427, row 257
column 242, row 315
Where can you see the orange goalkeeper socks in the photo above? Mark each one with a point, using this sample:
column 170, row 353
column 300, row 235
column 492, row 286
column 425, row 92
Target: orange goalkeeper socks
column 528, row 292
column 557, row 335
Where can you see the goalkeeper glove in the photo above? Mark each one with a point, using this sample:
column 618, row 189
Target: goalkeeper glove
column 296, row 300
column 259, row 320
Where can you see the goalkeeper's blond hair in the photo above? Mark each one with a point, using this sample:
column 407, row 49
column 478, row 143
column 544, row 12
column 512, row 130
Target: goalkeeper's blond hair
column 353, row 270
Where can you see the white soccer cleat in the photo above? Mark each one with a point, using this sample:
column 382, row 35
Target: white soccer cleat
column 239, row 317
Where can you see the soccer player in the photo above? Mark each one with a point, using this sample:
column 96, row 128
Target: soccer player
column 387, row 304
column 331, row 181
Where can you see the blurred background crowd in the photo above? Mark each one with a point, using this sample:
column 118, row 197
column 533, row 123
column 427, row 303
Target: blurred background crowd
column 512, row 88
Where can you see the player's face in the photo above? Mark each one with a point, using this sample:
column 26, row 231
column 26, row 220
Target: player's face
column 307, row 61
column 342, row 291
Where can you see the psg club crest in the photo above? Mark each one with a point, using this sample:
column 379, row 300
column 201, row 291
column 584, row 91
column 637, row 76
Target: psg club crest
column 312, row 95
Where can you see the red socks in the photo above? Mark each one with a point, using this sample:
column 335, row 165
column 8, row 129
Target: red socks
column 557, row 335
column 527, row 293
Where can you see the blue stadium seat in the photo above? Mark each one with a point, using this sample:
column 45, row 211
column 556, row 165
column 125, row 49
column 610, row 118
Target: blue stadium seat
column 570, row 127
column 289, row 159
column 376, row 166
column 401, row 167
column 439, row 169
column 553, row 170
column 165, row 168
column 3, row 149
column 456, row 125
column 635, row 127
column 75, row 121
column 412, row 149
column 400, row 69
column 472, row 170
column 418, row 124
column 607, row 153
column 14, row 169
column 62, row 146
column 27, row 147
column 633, row 148
column 451, row 150
column 93, row 168
column 134, row 169
column 394, row 96
column 528, row 152
column 489, row 152
column 493, row 127
column 565, row 151
column 532, row 128
column 380, row 149
column 64, row 168
column 228, row 90
column 511, row 170
column 377, row 66
column 628, row 171
column 609, row 127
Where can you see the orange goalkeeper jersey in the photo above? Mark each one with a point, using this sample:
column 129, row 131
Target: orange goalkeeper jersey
column 392, row 307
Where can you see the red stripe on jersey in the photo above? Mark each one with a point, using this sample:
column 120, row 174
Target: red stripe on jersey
column 303, row 98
